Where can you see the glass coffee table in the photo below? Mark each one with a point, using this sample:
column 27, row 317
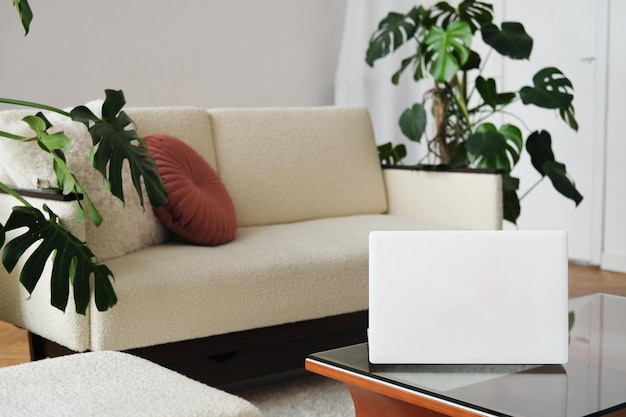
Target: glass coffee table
column 592, row 383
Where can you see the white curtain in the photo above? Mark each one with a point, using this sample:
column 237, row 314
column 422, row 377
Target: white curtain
column 357, row 84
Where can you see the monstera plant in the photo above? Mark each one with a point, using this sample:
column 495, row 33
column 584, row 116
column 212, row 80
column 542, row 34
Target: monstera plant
column 73, row 263
column 462, row 102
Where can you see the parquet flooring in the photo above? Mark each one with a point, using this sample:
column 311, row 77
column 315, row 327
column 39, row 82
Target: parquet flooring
column 583, row 280
column 13, row 345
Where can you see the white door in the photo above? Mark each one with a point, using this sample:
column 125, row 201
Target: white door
column 614, row 253
column 565, row 34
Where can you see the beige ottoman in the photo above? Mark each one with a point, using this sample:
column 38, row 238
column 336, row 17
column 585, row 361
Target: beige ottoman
column 110, row 384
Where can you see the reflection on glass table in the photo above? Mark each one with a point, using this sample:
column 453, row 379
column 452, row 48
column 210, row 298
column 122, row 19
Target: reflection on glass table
column 593, row 382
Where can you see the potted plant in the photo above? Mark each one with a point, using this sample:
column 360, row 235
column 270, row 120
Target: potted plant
column 73, row 262
column 463, row 102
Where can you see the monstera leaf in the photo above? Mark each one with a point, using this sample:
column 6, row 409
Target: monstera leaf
column 114, row 142
column 489, row 93
column 390, row 154
column 450, row 49
column 551, row 90
column 475, row 13
column 511, row 41
column 419, row 72
column 487, row 144
column 73, row 262
column 25, row 13
column 510, row 200
column 393, row 31
column 495, row 148
column 413, row 122
column 539, row 146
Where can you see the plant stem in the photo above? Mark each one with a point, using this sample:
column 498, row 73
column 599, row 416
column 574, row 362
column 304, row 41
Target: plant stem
column 483, row 64
column 461, row 101
column 519, row 119
column 34, row 105
column 531, row 188
column 14, row 137
column 441, row 105
column 14, row 193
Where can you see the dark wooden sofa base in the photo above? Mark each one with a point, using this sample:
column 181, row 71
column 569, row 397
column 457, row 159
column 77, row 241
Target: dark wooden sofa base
column 228, row 360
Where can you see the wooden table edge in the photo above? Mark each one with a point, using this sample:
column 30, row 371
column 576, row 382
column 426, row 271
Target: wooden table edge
column 357, row 383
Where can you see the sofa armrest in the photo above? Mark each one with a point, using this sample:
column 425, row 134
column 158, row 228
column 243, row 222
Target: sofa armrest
column 34, row 312
column 465, row 199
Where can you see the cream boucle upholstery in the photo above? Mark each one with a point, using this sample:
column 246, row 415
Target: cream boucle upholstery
column 110, row 384
column 35, row 313
column 287, row 165
column 189, row 124
column 292, row 272
column 458, row 199
column 307, row 188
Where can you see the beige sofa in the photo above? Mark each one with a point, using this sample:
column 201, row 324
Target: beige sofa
column 307, row 188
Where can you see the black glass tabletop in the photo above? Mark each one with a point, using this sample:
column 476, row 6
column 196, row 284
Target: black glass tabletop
column 591, row 383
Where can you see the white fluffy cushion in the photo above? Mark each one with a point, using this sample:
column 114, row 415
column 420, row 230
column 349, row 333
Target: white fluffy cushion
column 124, row 229
column 111, row 384
column 22, row 164
column 290, row 164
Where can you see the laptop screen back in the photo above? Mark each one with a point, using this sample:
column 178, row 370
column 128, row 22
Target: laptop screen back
column 467, row 297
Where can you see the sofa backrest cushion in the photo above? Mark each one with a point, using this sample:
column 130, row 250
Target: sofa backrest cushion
column 291, row 164
column 189, row 124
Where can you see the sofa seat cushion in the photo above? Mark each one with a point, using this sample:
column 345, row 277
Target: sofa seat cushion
column 269, row 275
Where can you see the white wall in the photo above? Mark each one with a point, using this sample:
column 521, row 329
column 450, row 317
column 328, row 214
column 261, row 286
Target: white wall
column 213, row 53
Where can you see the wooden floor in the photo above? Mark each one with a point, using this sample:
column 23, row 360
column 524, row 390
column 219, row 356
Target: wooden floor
column 583, row 280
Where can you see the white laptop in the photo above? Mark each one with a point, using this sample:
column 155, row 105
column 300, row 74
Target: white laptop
column 468, row 297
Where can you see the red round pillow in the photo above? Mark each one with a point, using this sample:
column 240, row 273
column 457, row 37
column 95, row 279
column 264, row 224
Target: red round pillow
column 199, row 208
